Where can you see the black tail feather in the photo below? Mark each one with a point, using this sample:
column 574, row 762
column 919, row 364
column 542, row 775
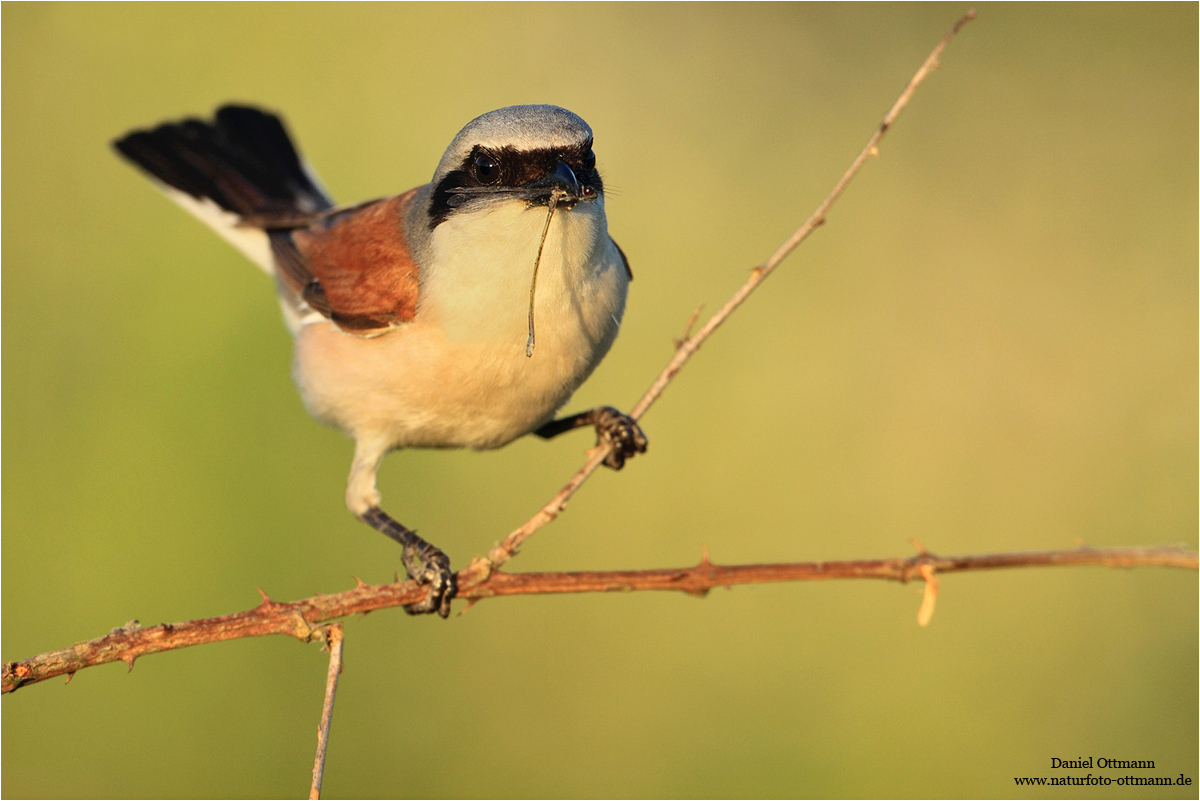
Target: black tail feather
column 244, row 161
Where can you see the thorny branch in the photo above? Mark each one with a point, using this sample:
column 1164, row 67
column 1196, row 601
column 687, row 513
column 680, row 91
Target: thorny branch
column 302, row 619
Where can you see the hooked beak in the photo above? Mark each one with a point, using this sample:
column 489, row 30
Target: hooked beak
column 562, row 178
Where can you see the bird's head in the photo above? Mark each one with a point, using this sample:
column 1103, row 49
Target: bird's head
column 524, row 154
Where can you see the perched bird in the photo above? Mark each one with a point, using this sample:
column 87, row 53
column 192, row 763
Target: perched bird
column 460, row 314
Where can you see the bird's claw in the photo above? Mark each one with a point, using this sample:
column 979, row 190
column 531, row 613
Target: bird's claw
column 621, row 432
column 427, row 564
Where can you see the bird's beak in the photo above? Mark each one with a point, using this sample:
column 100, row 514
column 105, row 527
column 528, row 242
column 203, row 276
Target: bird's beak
column 564, row 178
column 561, row 178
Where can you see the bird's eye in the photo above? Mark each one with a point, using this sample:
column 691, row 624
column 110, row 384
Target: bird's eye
column 589, row 161
column 485, row 168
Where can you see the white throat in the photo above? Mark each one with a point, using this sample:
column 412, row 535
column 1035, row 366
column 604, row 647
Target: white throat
column 478, row 277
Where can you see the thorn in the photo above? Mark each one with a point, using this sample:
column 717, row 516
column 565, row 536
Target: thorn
column 920, row 548
column 129, row 659
column 396, row 577
column 70, row 676
column 931, row 591
column 687, row 329
column 358, row 583
column 1079, row 543
column 470, row 602
column 266, row 600
column 704, row 554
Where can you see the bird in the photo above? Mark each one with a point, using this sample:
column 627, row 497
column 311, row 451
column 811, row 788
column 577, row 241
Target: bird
column 462, row 313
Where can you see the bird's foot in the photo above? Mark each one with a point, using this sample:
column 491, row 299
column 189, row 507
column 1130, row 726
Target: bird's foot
column 425, row 564
column 619, row 430
column 428, row 564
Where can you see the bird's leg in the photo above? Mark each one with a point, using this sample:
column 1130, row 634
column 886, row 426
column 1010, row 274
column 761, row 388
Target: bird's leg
column 612, row 427
column 425, row 563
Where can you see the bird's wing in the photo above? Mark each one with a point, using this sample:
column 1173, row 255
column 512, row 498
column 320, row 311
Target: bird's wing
column 352, row 266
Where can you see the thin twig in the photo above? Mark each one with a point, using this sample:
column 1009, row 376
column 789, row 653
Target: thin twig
column 691, row 323
column 333, row 641
column 301, row 619
column 503, row 551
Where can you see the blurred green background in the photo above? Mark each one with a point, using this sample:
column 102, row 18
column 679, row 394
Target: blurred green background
column 992, row 346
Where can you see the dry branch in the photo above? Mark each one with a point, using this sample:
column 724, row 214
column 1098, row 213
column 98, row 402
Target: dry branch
column 334, row 641
column 302, row 619
column 482, row 578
